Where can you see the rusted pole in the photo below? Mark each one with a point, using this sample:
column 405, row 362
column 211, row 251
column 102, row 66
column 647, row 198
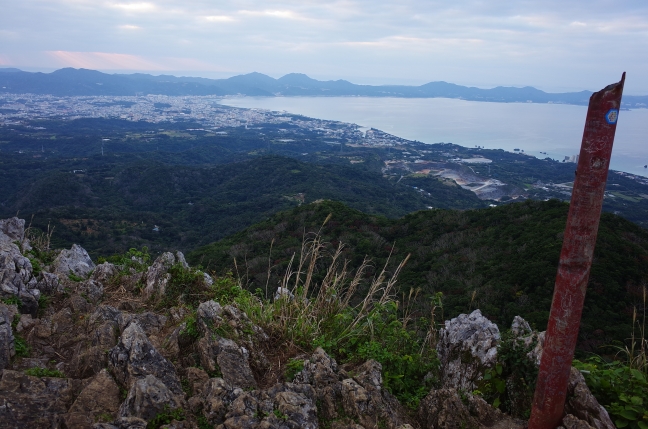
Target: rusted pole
column 576, row 257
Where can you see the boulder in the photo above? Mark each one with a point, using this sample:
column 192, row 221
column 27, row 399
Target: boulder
column 224, row 355
column 467, row 347
column 16, row 278
column 134, row 357
column 7, row 348
column 151, row 323
column 283, row 292
column 147, row 397
column 452, row 409
column 75, row 261
column 49, row 284
column 99, row 398
column 215, row 397
column 582, row 405
column 103, row 273
column 286, row 405
column 157, row 276
column 35, row 402
column 91, row 290
column 13, row 230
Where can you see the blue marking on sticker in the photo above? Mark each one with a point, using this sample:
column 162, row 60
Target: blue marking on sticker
column 611, row 116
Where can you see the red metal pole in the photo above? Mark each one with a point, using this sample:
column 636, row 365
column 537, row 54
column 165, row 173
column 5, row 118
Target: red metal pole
column 576, row 257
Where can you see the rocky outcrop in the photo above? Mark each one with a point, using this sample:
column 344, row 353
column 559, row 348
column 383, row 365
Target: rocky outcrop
column 98, row 400
column 75, row 261
column 467, row 347
column 453, row 409
column 148, row 397
column 7, row 348
column 157, row 276
column 33, row 402
column 16, row 280
column 582, row 405
column 134, row 358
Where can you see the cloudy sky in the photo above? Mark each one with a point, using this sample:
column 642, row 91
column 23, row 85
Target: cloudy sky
column 550, row 44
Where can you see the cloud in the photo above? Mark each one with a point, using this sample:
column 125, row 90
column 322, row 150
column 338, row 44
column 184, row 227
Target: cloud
column 218, row 18
column 134, row 7
column 129, row 27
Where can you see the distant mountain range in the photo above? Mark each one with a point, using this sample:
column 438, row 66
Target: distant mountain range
column 69, row 81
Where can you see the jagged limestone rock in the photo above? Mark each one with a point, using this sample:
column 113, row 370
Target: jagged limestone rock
column 215, row 397
column 7, row 348
column 99, row 397
column 147, row 397
column 123, row 423
column 33, row 402
column 294, row 405
column 583, row 405
column 217, row 353
column 134, row 357
column 49, row 283
column 75, row 261
column 16, row 278
column 91, row 290
column 467, row 347
column 150, row 322
column 157, row 276
column 453, row 409
column 103, row 273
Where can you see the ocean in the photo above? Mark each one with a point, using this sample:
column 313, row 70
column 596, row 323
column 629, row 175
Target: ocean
column 556, row 130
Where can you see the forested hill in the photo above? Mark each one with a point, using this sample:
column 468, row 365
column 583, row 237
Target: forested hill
column 69, row 81
column 501, row 260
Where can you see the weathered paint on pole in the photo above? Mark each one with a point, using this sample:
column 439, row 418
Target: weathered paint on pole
column 576, row 257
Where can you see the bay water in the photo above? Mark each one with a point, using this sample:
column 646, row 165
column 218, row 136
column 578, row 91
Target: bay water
column 556, row 130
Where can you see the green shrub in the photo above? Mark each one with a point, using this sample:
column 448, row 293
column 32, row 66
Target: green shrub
column 381, row 336
column 186, row 286
column 622, row 390
column 44, row 372
column 12, row 300
column 166, row 417
column 21, row 346
column 510, row 384
column 74, row 277
column 293, row 367
column 138, row 260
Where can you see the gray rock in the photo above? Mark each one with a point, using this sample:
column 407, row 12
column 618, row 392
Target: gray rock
column 123, row 423
column 7, row 349
column 151, row 323
column 92, row 290
column 99, row 397
column 216, row 396
column 134, row 357
column 445, row 409
column 157, row 277
column 217, row 353
column 147, row 397
column 16, row 278
column 33, row 402
column 583, row 405
column 75, row 261
column 14, row 230
column 283, row 292
column 49, row 284
column 467, row 347
column 209, row 316
column 104, row 313
column 103, row 273
column 520, row 327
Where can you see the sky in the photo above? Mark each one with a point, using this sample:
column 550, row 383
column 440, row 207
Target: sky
column 553, row 45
